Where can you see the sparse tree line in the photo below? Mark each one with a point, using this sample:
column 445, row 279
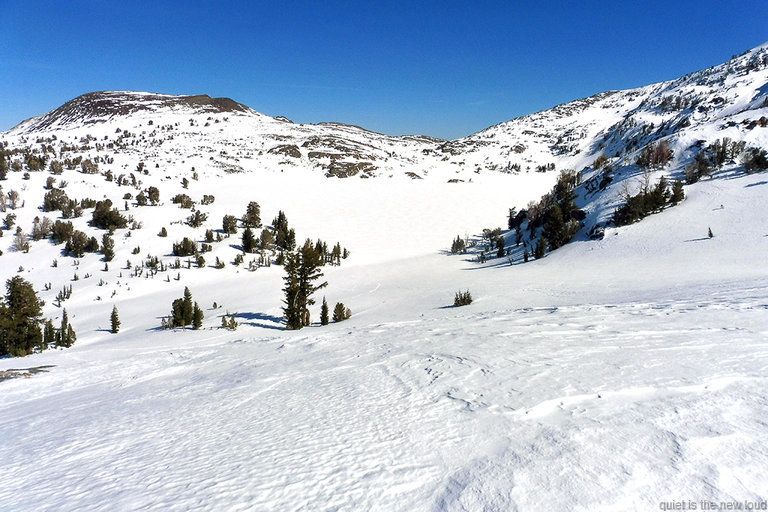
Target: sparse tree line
column 278, row 238
column 552, row 221
column 648, row 200
column 723, row 151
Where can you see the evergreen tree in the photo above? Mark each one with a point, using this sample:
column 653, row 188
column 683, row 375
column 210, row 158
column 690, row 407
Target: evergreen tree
column 339, row 312
column 320, row 251
column 500, row 246
column 285, row 238
column 709, row 233
column 293, row 301
column 197, row 317
column 462, row 299
column 511, row 218
column 309, row 273
column 657, row 199
column 114, row 320
column 677, row 192
column 66, row 336
column 540, row 249
column 154, row 195
column 302, row 271
column 3, row 167
column 266, row 239
column 249, row 242
column 20, row 314
column 49, row 334
column 108, row 247
column 187, row 307
column 756, row 159
column 229, row 225
column 324, row 313
column 183, row 310
column 252, row 217
column 106, row 217
column 458, row 245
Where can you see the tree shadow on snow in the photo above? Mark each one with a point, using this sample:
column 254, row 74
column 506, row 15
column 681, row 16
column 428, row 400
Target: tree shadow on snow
column 260, row 320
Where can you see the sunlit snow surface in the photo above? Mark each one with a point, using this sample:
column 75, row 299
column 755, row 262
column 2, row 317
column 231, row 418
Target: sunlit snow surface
column 611, row 375
column 619, row 374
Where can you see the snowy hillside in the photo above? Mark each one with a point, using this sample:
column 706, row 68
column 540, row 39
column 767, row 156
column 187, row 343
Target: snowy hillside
column 622, row 373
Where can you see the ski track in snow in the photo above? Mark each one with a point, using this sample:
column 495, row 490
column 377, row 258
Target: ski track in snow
column 615, row 406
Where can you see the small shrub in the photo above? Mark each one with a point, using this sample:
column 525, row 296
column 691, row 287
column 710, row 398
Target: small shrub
column 462, row 298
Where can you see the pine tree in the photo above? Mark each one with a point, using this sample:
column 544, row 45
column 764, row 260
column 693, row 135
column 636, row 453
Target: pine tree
column 71, row 336
column 266, row 239
column 19, row 319
column 280, row 223
column 302, row 271
column 187, row 310
column 197, row 317
column 540, row 249
column 182, row 310
column 293, row 301
column 249, row 242
column 500, row 246
column 66, row 336
column 709, row 233
column 252, row 217
column 229, row 225
column 339, row 312
column 657, row 199
column 324, row 313
column 108, row 247
column 309, row 272
column 114, row 320
column 677, row 192
column 555, row 230
column 49, row 334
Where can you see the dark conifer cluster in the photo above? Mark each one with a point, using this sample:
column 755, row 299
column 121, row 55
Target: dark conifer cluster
column 184, row 312
column 462, row 298
column 20, row 320
column 649, row 200
column 458, row 246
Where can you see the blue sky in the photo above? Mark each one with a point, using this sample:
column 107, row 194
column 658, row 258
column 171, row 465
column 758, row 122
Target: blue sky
column 441, row 68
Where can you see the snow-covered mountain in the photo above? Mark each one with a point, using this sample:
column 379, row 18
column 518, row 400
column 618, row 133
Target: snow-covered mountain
column 625, row 373
column 728, row 99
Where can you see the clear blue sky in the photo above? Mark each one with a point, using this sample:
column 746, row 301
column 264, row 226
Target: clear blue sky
column 443, row 68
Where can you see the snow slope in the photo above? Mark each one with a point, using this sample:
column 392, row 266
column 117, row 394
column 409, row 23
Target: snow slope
column 618, row 374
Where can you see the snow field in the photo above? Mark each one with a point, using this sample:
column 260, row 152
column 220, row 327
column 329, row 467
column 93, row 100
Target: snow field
column 610, row 375
column 599, row 406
